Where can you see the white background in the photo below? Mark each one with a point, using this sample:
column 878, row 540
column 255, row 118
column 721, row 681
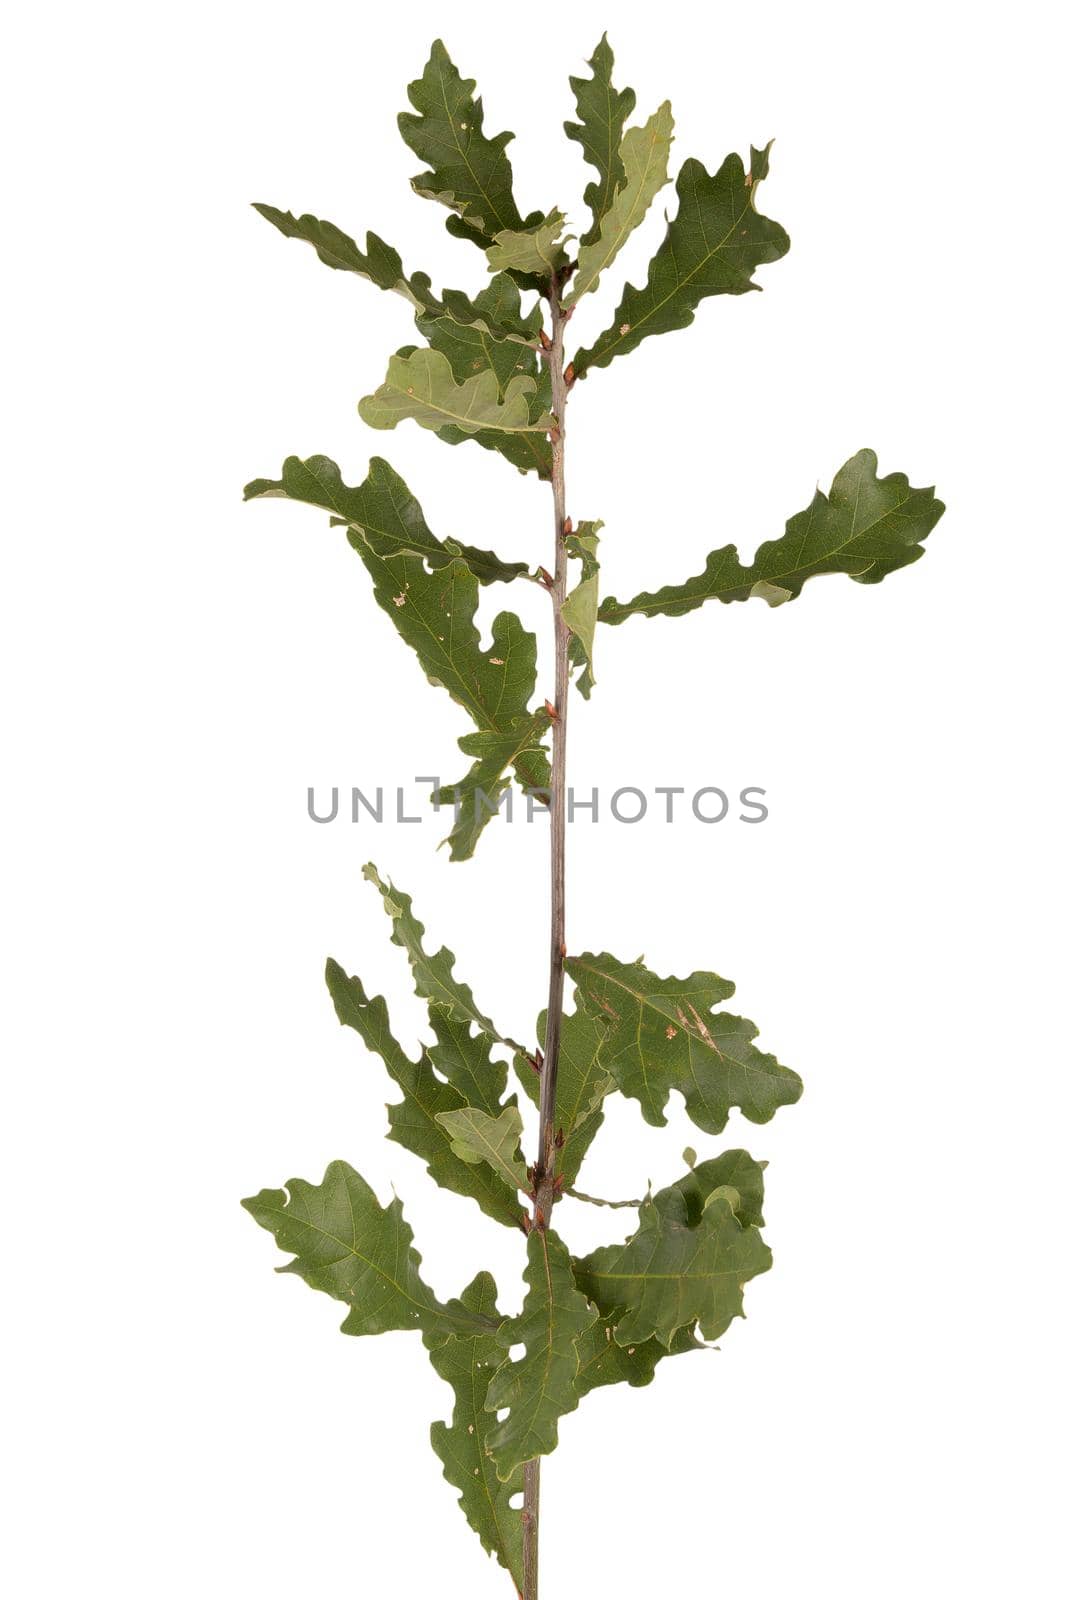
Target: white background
column 181, row 667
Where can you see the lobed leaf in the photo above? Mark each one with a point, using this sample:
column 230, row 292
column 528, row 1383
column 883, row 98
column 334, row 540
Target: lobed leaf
column 420, row 386
column 433, row 611
column 602, row 114
column 345, row 1244
column 536, row 250
column 471, row 350
column 644, row 152
column 866, row 527
column 604, row 1359
column 713, row 244
column 583, row 1081
column 468, row 1365
column 413, row 1121
column 381, row 264
column 540, row 1387
column 468, row 173
column 479, row 1138
column 663, row 1035
column 434, row 978
column 383, row 509
column 670, row 1274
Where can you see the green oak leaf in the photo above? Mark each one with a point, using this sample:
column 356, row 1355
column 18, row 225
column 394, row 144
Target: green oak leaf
column 420, row 386
column 477, row 1137
column 663, row 1035
column 463, row 1058
column 433, row 612
column 537, row 250
column 540, row 1387
column 434, row 977
column 712, row 246
column 381, row 264
column 602, row 114
column 383, row 509
column 583, row 1081
column 733, row 1169
column 468, row 173
column 413, row 1121
column 478, row 797
column 603, row 1359
column 865, row 527
column 345, row 1244
column 471, row 350
column 580, row 607
column 468, row 1365
column 645, row 152
column 669, row 1274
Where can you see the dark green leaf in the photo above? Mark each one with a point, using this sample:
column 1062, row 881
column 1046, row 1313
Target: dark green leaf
column 540, row 1387
column 381, row 264
column 583, row 1080
column 434, row 978
column 670, row 1274
column 469, row 173
column 712, row 246
column 468, row 1366
column 663, row 1035
column 413, row 1122
column 383, row 509
column 866, row 527
column 733, row 1169
column 602, row 114
column 603, row 1360
column 463, row 1058
column 434, row 613
column 345, row 1244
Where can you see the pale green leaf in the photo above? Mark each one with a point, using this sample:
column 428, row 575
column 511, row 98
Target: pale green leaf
column 413, row 1121
column 468, row 1365
column 420, row 386
column 537, row 250
column 602, row 113
column 477, row 1137
column 471, row 349
column 580, row 607
column 670, row 1274
column 383, row 509
column 664, row 1035
column 866, row 527
column 541, row 1386
column 344, row 1243
column 689, row 1156
column 645, row 152
column 713, row 245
